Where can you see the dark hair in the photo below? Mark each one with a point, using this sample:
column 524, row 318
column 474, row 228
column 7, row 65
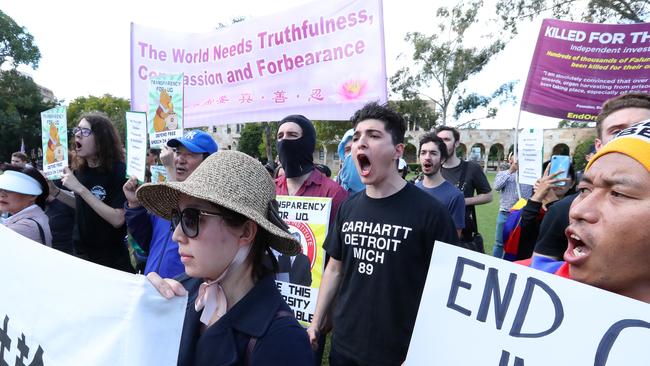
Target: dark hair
column 20, row 155
column 448, row 128
column 260, row 252
column 41, row 199
column 324, row 169
column 432, row 137
column 154, row 151
column 109, row 145
column 623, row 101
column 394, row 123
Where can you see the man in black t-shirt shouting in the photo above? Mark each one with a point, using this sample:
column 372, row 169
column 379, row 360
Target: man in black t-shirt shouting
column 380, row 247
column 475, row 181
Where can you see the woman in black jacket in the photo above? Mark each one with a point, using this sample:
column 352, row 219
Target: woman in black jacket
column 226, row 221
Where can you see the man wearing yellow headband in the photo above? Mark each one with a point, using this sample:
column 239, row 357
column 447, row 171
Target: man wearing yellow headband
column 609, row 244
column 616, row 114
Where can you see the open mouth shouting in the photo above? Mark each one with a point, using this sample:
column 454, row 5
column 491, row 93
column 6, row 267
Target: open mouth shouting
column 78, row 145
column 426, row 167
column 181, row 170
column 365, row 166
column 577, row 251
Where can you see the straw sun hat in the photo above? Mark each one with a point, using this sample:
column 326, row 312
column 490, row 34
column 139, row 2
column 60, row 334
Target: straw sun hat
column 232, row 180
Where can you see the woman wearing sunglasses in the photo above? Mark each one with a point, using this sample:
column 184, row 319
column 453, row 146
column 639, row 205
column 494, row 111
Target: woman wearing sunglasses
column 23, row 194
column 97, row 180
column 225, row 221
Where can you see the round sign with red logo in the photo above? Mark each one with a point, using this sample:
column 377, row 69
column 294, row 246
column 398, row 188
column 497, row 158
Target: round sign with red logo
column 302, row 231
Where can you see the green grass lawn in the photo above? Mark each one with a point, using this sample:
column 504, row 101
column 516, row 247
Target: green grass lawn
column 487, row 217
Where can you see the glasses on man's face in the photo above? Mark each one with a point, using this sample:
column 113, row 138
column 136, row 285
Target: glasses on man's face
column 189, row 219
column 85, row 132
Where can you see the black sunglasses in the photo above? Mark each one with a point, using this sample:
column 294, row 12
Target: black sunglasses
column 189, row 219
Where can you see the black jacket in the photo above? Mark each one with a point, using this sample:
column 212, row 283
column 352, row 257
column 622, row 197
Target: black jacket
column 280, row 339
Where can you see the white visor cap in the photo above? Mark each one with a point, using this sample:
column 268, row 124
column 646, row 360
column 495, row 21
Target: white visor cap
column 18, row 182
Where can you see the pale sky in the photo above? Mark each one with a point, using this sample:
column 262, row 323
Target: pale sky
column 85, row 44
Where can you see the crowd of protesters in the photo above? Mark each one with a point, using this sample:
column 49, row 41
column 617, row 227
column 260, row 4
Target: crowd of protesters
column 227, row 243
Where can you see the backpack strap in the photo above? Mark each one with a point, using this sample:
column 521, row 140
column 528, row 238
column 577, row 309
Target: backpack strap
column 463, row 174
column 253, row 340
column 40, row 230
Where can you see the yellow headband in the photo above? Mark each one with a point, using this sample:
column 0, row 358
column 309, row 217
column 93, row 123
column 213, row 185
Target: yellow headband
column 633, row 141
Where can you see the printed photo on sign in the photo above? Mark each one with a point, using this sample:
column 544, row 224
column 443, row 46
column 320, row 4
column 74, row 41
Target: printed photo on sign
column 510, row 314
column 299, row 276
column 54, row 136
column 165, row 109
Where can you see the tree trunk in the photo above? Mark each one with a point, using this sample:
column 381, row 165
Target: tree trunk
column 267, row 142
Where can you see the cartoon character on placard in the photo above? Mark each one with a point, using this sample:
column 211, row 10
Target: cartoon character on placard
column 54, row 151
column 165, row 118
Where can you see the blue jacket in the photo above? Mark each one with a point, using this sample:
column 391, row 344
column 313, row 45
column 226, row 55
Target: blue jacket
column 280, row 339
column 154, row 235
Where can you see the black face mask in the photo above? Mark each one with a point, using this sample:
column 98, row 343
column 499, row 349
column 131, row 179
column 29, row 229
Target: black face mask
column 296, row 156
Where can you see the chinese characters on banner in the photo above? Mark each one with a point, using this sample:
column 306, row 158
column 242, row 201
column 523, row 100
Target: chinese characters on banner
column 314, row 58
column 66, row 311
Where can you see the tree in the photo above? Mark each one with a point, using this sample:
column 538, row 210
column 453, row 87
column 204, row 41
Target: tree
column 443, row 59
column 565, row 123
column 580, row 151
column 330, row 132
column 596, row 11
column 250, row 140
column 114, row 107
column 417, row 113
column 21, row 104
column 16, row 44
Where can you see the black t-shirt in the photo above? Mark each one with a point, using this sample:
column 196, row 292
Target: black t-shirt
column 385, row 247
column 551, row 240
column 95, row 237
column 475, row 181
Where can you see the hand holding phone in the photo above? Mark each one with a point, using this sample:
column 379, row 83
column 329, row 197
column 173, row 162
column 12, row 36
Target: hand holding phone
column 560, row 165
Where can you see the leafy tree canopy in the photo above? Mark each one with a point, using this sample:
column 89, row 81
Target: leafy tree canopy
column 114, row 107
column 21, row 104
column 595, row 11
column 16, row 44
column 444, row 61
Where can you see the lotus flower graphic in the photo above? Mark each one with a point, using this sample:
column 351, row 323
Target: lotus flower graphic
column 353, row 89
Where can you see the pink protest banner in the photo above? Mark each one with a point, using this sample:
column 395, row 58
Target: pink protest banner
column 577, row 66
column 324, row 60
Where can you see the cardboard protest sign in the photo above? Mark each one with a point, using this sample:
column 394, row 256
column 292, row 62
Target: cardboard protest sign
column 58, row 310
column 165, row 109
column 481, row 310
column 313, row 59
column 158, row 174
column 136, row 145
column 54, row 136
column 577, row 66
column 299, row 276
column 531, row 153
